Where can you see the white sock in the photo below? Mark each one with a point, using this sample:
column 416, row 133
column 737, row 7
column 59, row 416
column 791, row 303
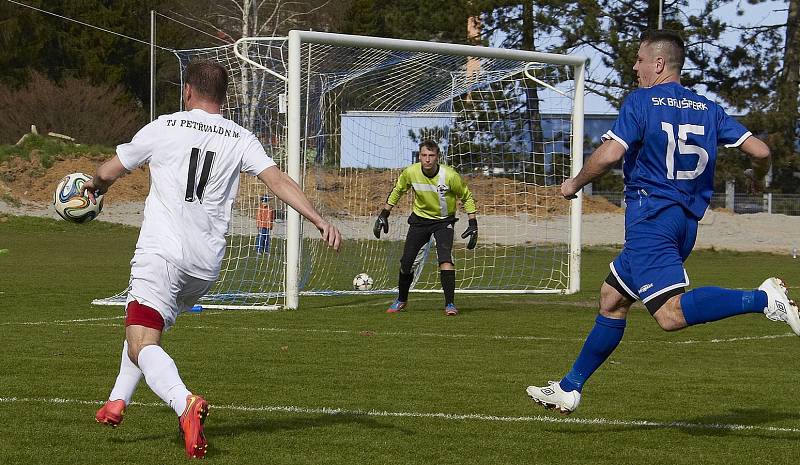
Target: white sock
column 127, row 379
column 162, row 376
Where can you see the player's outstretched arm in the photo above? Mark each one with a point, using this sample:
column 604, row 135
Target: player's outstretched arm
column 105, row 176
column 759, row 154
column 598, row 164
column 287, row 190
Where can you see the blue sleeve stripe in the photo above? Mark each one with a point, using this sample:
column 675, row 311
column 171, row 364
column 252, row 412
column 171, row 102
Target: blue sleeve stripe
column 740, row 141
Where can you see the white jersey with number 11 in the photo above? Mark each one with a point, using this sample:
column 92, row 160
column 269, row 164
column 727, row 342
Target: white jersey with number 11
column 195, row 159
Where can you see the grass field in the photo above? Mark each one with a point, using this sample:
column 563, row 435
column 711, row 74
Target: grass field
column 341, row 382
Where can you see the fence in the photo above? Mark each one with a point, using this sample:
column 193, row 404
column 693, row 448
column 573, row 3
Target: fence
column 784, row 204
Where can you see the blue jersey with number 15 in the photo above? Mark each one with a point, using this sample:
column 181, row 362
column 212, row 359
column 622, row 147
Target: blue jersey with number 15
column 671, row 135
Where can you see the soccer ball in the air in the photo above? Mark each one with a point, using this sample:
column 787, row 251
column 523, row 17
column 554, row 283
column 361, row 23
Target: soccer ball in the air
column 70, row 204
column 362, row 282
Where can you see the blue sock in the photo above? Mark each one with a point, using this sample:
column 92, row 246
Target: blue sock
column 706, row 304
column 601, row 341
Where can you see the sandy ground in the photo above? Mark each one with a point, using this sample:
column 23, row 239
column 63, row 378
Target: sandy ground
column 719, row 229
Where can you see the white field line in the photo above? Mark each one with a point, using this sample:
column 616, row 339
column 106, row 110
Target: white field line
column 441, row 416
column 60, row 322
column 91, row 322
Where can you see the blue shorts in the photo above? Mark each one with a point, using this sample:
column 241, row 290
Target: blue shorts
column 659, row 236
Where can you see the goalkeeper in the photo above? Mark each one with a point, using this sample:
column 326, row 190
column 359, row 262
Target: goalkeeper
column 436, row 188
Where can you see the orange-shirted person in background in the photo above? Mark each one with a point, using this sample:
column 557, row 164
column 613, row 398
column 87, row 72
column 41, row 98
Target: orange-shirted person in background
column 264, row 217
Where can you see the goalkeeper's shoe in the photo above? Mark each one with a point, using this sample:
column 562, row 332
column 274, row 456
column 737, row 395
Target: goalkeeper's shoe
column 397, row 306
column 450, row 310
column 553, row 397
column 779, row 306
column 190, row 424
column 111, row 413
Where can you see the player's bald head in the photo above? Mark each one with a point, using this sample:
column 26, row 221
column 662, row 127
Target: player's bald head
column 208, row 79
column 667, row 44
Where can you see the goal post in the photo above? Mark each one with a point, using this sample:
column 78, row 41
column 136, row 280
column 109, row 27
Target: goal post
column 576, row 204
column 344, row 114
column 294, row 110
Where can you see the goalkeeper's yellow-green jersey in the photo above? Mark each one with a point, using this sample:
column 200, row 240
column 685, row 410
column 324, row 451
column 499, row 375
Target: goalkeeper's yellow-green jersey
column 435, row 197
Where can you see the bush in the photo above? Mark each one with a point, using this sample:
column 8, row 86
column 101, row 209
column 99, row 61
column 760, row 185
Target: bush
column 91, row 114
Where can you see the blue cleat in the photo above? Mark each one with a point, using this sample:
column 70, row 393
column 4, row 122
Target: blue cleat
column 396, row 306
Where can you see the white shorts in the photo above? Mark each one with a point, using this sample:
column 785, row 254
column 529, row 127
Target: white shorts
column 158, row 284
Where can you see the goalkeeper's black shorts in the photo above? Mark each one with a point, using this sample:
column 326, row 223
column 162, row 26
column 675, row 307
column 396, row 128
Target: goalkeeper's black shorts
column 419, row 233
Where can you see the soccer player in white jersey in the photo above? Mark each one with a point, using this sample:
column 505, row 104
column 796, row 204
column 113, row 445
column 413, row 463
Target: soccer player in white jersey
column 436, row 189
column 668, row 136
column 195, row 158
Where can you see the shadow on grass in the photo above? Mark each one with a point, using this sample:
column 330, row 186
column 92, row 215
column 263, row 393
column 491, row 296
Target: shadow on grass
column 273, row 425
column 722, row 424
column 742, row 422
column 232, row 428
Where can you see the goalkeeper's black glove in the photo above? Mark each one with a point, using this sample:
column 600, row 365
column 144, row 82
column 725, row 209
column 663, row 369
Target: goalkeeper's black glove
column 382, row 222
column 472, row 232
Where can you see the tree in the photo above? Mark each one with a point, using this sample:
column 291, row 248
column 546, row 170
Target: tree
column 235, row 19
column 760, row 76
column 22, row 36
column 518, row 25
column 60, row 49
column 260, row 18
column 436, row 20
column 507, row 112
column 611, row 30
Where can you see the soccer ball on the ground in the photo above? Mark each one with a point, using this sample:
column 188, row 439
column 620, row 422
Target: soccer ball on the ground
column 362, row 282
column 70, row 204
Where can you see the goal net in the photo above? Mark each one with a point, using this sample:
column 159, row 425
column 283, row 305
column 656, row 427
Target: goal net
column 344, row 115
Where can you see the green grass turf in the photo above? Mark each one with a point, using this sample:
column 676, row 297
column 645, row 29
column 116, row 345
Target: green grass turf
column 346, row 353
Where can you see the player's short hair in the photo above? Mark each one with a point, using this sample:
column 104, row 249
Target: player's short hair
column 671, row 45
column 430, row 145
column 209, row 79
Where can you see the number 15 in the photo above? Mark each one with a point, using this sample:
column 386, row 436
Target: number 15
column 684, row 149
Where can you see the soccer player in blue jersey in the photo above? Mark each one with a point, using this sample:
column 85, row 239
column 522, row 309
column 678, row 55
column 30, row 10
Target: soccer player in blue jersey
column 668, row 136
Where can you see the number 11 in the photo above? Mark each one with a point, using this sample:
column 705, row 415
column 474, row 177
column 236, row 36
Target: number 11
column 201, row 185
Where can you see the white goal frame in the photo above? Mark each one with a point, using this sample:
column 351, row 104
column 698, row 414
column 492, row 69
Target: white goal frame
column 294, row 111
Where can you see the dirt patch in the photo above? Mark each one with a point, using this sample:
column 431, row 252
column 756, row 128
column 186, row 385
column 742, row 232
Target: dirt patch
column 26, row 189
column 351, row 192
column 28, row 182
column 343, row 192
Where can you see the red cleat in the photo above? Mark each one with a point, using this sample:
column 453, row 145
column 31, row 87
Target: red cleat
column 191, row 426
column 111, row 413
